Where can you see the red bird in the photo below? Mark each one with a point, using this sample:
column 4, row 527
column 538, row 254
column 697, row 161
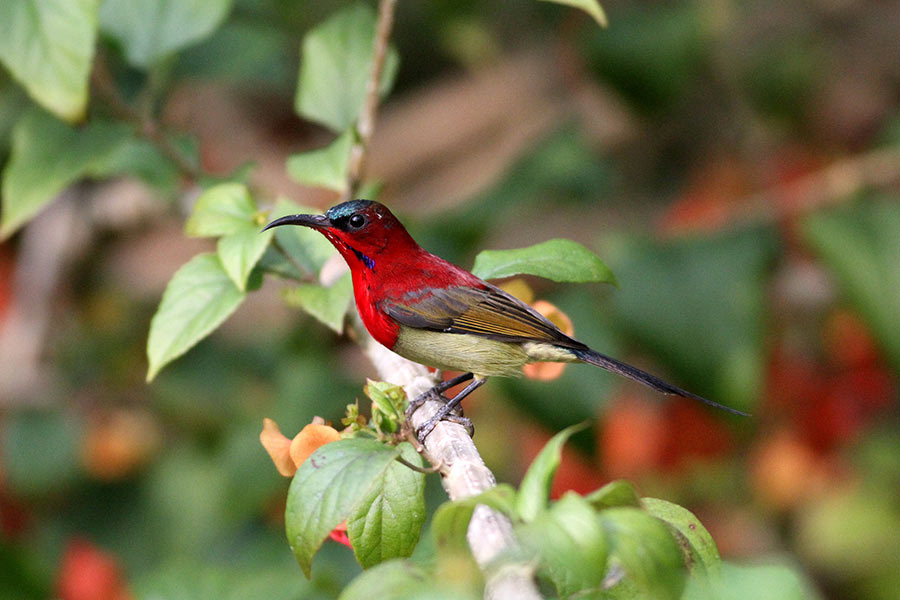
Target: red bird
column 435, row 313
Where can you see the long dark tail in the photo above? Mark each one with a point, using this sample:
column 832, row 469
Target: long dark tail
column 626, row 370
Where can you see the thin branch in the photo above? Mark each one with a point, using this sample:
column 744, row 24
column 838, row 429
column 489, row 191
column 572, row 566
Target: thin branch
column 366, row 123
column 104, row 85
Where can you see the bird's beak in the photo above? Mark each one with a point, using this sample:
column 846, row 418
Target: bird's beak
column 314, row 221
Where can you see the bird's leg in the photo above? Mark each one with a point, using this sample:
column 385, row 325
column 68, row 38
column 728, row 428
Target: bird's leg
column 435, row 393
column 448, row 408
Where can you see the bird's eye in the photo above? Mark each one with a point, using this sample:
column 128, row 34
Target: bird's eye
column 357, row 221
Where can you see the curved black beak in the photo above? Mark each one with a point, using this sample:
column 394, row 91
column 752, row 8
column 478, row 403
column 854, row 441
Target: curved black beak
column 314, row 221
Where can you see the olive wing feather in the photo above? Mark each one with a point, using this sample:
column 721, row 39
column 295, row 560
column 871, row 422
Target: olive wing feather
column 488, row 312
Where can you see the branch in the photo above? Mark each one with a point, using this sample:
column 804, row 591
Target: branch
column 365, row 125
column 463, row 472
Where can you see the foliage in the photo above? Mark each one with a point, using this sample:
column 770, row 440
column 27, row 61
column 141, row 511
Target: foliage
column 167, row 481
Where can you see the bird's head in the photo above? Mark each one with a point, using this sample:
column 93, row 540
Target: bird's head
column 360, row 230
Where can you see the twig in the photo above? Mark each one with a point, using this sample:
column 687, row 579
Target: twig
column 105, row 86
column 366, row 123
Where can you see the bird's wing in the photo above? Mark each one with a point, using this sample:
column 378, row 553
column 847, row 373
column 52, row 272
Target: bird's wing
column 488, row 312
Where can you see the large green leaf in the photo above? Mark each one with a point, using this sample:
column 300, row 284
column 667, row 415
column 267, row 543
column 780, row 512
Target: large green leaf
column 387, row 522
column 534, row 492
column 451, row 520
column 559, row 260
column 48, row 155
column 860, row 243
column 327, row 489
column 199, row 297
column 335, row 64
column 239, row 253
column 150, row 30
column 700, row 552
column 672, row 290
column 591, row 7
column 327, row 304
column 326, row 167
column 615, row 493
column 48, row 46
column 643, row 546
column 571, row 543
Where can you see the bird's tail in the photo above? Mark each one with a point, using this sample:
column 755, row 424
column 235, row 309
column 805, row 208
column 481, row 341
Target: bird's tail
column 625, row 370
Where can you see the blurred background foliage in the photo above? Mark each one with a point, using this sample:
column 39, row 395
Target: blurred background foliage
column 735, row 163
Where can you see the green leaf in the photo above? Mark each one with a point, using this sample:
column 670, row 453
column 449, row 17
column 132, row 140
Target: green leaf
column 571, row 543
column 751, row 582
column 700, row 552
column 47, row 156
column 306, row 246
column 149, row 30
column 451, row 520
column 48, row 46
column 674, row 289
column 645, row 548
column 614, row 493
column 859, row 243
column 328, row 487
column 591, row 7
column 327, row 304
column 535, row 489
column 558, row 259
column 387, row 522
column 335, row 65
column 198, row 299
column 223, row 209
column 391, row 580
column 326, row 167
column 240, row 251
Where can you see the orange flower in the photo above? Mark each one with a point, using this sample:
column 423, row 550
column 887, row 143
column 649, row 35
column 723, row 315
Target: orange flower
column 546, row 371
column 287, row 454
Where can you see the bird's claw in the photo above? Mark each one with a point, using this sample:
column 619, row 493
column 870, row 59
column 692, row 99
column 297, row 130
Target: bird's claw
column 444, row 414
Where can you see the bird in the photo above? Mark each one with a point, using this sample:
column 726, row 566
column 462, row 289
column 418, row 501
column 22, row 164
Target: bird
column 435, row 313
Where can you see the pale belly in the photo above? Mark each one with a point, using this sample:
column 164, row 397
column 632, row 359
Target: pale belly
column 472, row 353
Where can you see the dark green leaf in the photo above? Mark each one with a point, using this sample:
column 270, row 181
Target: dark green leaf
column 571, row 543
column 672, row 290
column 591, row 7
column 150, row 30
column 387, row 522
column 700, row 552
column 198, row 299
column 327, row 304
column 48, row 46
column 859, row 243
column 40, row 451
column 559, row 260
column 645, row 548
column 335, row 65
column 48, row 155
column 326, row 167
column 614, row 493
column 328, row 487
column 535, row 489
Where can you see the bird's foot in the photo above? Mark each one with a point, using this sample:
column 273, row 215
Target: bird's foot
column 445, row 413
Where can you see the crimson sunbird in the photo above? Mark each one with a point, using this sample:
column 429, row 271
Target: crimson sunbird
column 432, row 312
